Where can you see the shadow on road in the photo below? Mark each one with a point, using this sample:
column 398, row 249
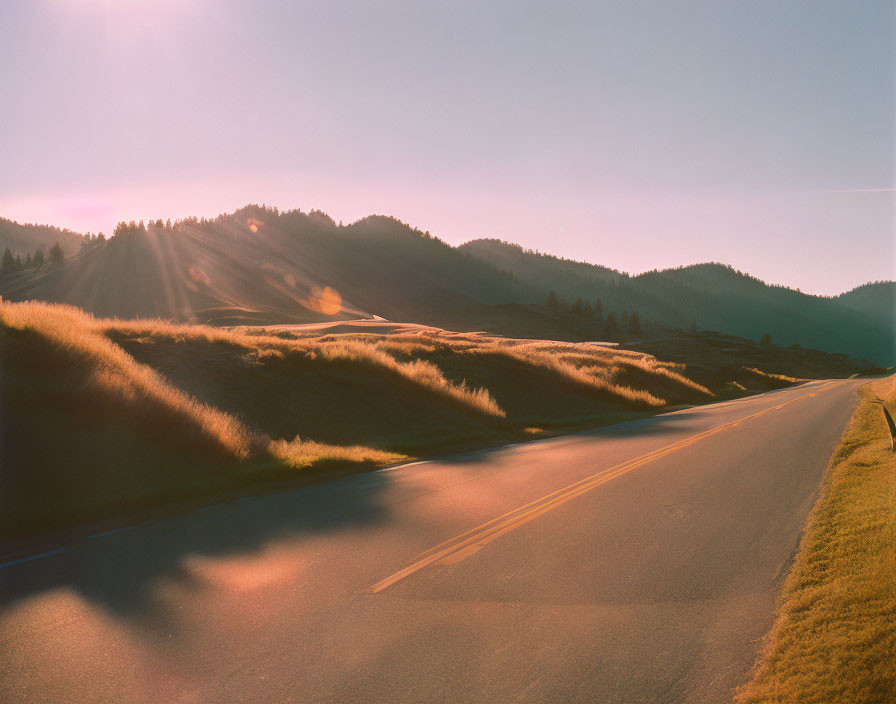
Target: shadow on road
column 117, row 570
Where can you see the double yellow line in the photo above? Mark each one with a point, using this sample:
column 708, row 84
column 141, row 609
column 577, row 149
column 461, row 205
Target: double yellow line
column 472, row 541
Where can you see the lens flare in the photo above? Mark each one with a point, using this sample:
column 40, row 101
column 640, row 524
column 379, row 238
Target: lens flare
column 199, row 275
column 325, row 300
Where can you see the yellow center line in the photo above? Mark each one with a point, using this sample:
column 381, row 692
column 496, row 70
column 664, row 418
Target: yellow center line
column 462, row 546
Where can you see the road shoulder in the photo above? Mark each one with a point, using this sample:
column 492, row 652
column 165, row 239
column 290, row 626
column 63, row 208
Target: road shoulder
column 834, row 639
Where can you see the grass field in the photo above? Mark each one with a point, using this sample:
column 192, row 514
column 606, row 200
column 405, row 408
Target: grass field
column 835, row 637
column 104, row 417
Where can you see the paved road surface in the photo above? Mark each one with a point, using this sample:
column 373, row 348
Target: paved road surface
column 637, row 563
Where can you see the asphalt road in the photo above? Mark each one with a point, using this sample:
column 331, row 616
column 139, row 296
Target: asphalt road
column 636, row 563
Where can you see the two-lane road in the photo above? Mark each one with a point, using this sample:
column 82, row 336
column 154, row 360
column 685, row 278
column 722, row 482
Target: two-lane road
column 635, row 563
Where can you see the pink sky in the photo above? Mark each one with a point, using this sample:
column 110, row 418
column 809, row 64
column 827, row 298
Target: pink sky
column 636, row 136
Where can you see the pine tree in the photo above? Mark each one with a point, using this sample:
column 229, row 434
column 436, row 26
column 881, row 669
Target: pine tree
column 598, row 309
column 9, row 262
column 578, row 308
column 612, row 324
column 56, row 256
column 634, row 324
column 28, row 260
column 766, row 340
column 38, row 259
column 552, row 303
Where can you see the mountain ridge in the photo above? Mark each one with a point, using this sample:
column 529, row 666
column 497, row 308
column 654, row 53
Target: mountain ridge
column 261, row 265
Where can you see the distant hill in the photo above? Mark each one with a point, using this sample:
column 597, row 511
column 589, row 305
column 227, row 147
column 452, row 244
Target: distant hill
column 876, row 300
column 25, row 239
column 258, row 265
column 716, row 297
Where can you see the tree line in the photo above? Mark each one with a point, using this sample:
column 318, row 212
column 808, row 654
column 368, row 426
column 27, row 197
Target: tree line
column 613, row 324
column 11, row 263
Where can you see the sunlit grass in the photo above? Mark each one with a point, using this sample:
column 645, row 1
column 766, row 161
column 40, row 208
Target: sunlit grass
column 593, row 366
column 117, row 374
column 417, row 371
column 776, row 377
column 835, row 637
column 300, row 454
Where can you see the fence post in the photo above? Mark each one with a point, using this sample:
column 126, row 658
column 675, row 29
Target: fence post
column 891, row 425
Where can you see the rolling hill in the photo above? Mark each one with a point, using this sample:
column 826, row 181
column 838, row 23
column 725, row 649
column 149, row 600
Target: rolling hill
column 261, row 266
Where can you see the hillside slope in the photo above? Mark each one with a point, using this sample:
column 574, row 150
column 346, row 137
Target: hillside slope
column 876, row 300
column 261, row 266
column 716, row 297
column 258, row 265
column 25, row 239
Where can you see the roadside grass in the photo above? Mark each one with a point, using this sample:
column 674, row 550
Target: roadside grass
column 835, row 636
column 782, row 378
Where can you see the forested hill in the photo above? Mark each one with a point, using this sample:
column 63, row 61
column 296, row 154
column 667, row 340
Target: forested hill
column 23, row 240
column 715, row 297
column 259, row 265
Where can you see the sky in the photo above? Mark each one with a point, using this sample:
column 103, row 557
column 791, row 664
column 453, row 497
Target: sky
column 637, row 135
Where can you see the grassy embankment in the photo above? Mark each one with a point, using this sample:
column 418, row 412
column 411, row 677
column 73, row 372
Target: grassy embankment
column 835, row 637
column 104, row 417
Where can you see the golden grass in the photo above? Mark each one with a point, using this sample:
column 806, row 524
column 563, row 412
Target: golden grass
column 777, row 377
column 418, row 371
column 594, row 366
column 333, row 347
column 835, row 637
column 587, row 364
column 300, row 454
column 587, row 373
column 117, row 374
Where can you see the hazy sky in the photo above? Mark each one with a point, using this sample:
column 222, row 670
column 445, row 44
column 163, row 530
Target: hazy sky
column 631, row 134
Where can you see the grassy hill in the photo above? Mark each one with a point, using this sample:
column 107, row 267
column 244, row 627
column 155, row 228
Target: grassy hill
column 258, row 265
column 104, row 417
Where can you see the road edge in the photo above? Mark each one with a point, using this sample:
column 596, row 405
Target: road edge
column 832, row 640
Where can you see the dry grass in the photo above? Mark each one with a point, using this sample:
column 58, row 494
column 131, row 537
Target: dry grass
column 300, row 454
column 783, row 378
column 835, row 637
column 417, row 371
column 116, row 373
column 332, row 347
column 590, row 365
